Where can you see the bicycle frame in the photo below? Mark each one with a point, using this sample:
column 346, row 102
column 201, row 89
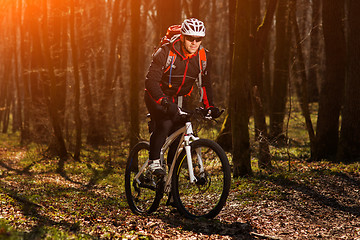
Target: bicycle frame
column 197, row 176
column 187, row 136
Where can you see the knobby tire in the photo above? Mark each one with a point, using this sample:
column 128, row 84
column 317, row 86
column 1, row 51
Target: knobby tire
column 141, row 199
column 207, row 197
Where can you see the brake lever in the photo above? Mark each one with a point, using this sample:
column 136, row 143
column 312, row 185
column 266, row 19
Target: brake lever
column 182, row 113
column 209, row 117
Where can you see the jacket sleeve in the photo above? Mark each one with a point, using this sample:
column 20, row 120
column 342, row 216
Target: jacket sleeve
column 206, row 84
column 154, row 75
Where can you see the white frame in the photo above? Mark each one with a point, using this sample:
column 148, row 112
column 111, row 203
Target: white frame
column 187, row 136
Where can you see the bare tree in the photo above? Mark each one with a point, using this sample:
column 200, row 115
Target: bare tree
column 75, row 59
column 314, row 61
column 51, row 89
column 34, row 100
column 281, row 72
column 327, row 130
column 6, row 90
column 349, row 147
column 58, row 39
column 134, row 72
column 224, row 138
column 108, row 89
column 300, row 69
column 169, row 13
column 256, row 69
column 18, row 119
column 239, row 93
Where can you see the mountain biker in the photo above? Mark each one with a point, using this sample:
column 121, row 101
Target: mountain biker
column 165, row 90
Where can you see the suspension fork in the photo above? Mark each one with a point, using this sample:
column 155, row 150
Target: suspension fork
column 189, row 136
column 190, row 163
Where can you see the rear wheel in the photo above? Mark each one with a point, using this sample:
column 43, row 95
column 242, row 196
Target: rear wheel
column 208, row 195
column 143, row 195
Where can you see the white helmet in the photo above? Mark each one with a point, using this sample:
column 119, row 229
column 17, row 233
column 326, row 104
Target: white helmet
column 193, row 27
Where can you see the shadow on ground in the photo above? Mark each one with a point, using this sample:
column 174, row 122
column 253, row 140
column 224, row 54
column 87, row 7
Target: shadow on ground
column 208, row 227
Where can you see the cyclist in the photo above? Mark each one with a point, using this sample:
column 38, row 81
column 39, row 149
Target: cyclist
column 167, row 87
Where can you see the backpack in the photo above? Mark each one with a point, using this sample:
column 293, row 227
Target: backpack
column 172, row 31
column 172, row 34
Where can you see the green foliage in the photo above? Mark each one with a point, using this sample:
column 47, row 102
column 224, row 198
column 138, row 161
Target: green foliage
column 57, row 206
column 11, row 139
column 7, row 232
column 87, row 200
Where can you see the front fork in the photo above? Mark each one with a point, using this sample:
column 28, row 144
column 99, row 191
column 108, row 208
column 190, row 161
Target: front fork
column 189, row 136
column 190, row 163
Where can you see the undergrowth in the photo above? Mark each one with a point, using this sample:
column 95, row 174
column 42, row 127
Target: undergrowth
column 87, row 200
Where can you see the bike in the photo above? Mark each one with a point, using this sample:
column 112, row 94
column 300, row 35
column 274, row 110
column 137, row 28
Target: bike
column 197, row 181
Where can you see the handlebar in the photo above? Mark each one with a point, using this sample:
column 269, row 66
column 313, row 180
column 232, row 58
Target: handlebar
column 199, row 113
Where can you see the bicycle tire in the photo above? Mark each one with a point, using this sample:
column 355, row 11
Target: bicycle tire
column 142, row 199
column 207, row 197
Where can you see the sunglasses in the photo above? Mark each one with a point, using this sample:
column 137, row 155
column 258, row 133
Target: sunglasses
column 191, row 39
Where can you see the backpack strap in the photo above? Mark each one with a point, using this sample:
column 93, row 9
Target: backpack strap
column 202, row 64
column 202, row 59
column 169, row 63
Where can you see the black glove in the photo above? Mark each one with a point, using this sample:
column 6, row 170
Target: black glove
column 171, row 108
column 214, row 112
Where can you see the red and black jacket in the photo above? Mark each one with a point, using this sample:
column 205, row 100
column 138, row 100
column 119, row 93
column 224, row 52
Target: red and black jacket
column 183, row 75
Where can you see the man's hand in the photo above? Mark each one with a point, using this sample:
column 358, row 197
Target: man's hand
column 214, row 112
column 170, row 107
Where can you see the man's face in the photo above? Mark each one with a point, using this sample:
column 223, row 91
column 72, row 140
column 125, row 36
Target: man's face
column 192, row 43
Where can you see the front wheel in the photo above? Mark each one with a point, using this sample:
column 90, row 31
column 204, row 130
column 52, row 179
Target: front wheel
column 143, row 193
column 208, row 195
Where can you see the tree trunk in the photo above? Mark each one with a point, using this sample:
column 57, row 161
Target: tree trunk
column 108, row 89
column 349, row 147
column 24, row 60
column 5, row 88
column 77, row 83
column 258, row 47
column 92, row 56
column 58, row 37
column 224, row 138
column 169, row 13
column 34, row 93
column 239, row 93
column 134, row 72
column 85, row 42
column 331, row 94
column 122, row 86
column 8, row 101
column 314, row 61
column 281, row 73
column 300, row 69
column 17, row 118
column 51, row 95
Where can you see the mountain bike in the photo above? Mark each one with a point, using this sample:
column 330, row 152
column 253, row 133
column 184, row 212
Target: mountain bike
column 197, row 181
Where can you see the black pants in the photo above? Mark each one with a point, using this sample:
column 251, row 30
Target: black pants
column 164, row 126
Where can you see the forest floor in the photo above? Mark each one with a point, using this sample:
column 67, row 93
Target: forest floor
column 311, row 200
